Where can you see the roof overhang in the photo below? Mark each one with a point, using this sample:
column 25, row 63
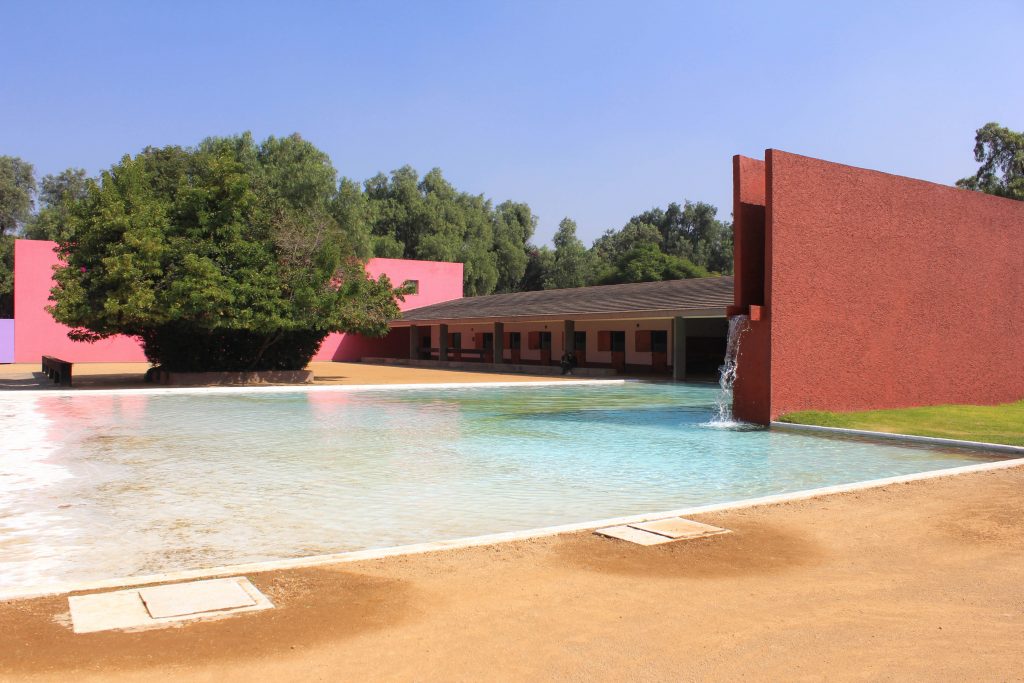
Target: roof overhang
column 659, row 314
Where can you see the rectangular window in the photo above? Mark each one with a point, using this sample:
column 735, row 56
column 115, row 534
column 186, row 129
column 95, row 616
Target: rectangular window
column 455, row 340
column 659, row 341
column 545, row 341
column 643, row 340
column 515, row 340
column 604, row 340
column 533, row 340
column 618, row 342
column 411, row 286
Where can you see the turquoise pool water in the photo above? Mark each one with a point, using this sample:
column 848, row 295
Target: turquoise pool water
column 97, row 486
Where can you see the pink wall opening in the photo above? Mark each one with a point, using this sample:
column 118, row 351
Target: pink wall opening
column 36, row 333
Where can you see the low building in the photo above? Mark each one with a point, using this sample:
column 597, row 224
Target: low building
column 675, row 327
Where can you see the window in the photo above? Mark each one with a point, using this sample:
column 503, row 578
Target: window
column 515, row 340
column 455, row 340
column 611, row 341
column 539, row 340
column 659, row 341
column 411, row 286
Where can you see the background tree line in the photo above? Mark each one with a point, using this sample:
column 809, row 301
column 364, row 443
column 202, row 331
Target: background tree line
column 403, row 215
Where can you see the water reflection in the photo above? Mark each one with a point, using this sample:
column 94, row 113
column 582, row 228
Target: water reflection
column 95, row 486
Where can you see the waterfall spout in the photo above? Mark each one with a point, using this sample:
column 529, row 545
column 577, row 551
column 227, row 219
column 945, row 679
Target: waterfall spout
column 727, row 371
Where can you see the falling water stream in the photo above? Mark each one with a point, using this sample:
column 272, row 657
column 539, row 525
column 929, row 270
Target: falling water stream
column 727, row 373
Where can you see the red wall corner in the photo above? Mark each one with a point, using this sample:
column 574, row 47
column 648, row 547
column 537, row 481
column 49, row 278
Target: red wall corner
column 752, row 390
column 889, row 292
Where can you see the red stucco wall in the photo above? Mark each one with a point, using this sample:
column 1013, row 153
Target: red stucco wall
column 752, row 390
column 884, row 291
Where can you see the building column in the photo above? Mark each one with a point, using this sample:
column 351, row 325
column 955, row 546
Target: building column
column 679, row 348
column 414, row 342
column 570, row 336
column 498, row 348
column 442, row 342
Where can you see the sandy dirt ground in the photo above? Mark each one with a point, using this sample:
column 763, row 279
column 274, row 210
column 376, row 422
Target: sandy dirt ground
column 918, row 581
column 123, row 375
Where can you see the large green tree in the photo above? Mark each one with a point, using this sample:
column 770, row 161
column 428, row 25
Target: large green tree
column 57, row 194
column 680, row 241
column 17, row 197
column 231, row 255
column 514, row 224
column 428, row 218
column 693, row 232
column 1000, row 151
column 540, row 264
column 572, row 262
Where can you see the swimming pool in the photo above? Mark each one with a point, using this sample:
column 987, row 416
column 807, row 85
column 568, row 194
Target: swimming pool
column 103, row 485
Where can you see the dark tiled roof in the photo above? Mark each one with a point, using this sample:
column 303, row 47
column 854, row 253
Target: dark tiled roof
column 670, row 295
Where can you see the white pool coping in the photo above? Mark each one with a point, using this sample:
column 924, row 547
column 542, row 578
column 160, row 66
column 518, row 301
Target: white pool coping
column 910, row 438
column 489, row 539
column 16, row 394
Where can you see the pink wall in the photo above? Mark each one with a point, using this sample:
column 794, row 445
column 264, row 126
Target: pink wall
column 37, row 334
column 882, row 292
column 438, row 281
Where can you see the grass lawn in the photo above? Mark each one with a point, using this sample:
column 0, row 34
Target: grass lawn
column 992, row 424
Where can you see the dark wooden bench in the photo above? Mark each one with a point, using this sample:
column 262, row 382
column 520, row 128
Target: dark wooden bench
column 58, row 370
column 455, row 354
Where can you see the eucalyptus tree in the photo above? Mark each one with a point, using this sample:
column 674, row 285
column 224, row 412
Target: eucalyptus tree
column 1000, row 151
column 17, row 198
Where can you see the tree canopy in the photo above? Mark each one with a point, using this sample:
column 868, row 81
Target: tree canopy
column 231, row 255
column 1000, row 151
column 57, row 194
column 680, row 241
column 405, row 216
column 401, row 215
column 17, row 198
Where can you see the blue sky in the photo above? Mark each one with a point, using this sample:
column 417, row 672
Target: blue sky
column 594, row 110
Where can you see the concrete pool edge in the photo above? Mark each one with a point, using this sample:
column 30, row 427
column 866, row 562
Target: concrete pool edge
column 488, row 539
column 892, row 436
column 297, row 388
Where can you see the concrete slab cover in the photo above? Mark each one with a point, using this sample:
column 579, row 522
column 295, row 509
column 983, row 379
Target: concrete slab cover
column 679, row 528
column 128, row 609
column 638, row 536
column 107, row 611
column 178, row 599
